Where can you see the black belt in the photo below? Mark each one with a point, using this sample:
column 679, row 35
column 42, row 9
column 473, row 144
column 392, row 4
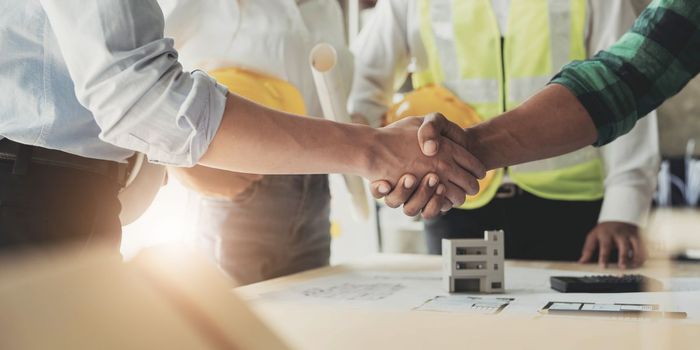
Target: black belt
column 23, row 155
column 509, row 190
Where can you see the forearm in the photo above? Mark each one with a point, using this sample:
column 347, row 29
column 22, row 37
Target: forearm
column 255, row 139
column 551, row 123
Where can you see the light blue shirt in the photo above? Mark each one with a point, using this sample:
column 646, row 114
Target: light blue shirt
column 98, row 79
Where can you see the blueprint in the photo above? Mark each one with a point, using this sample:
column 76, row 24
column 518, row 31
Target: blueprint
column 527, row 292
column 466, row 304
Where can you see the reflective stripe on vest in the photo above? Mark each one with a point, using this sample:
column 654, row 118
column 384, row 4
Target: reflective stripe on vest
column 462, row 40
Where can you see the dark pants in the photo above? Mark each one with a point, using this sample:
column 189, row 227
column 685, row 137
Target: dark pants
column 50, row 206
column 278, row 226
column 535, row 228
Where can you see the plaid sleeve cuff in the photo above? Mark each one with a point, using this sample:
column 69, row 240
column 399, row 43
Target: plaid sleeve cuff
column 601, row 94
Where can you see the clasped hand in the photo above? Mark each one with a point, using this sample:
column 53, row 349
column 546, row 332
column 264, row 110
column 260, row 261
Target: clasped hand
column 448, row 171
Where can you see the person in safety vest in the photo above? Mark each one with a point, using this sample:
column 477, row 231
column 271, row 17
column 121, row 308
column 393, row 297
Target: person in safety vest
column 482, row 58
column 259, row 227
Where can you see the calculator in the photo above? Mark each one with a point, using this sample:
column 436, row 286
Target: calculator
column 605, row 284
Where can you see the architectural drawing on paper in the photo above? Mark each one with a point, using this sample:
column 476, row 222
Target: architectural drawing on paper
column 465, row 304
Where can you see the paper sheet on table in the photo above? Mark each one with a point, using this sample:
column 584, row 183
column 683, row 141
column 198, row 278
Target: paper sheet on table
column 527, row 291
column 466, row 304
column 682, row 284
column 381, row 290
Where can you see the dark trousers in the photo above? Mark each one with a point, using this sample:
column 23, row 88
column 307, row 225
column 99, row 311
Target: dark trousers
column 535, row 228
column 51, row 206
column 278, row 226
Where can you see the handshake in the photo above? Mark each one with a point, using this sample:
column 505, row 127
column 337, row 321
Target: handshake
column 429, row 174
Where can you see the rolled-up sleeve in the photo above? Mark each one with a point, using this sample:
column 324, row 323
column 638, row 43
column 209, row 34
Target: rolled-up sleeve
column 651, row 63
column 128, row 75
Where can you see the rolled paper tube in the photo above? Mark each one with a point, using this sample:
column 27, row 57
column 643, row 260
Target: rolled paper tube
column 333, row 98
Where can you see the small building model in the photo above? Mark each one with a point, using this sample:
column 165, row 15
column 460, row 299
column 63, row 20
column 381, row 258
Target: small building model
column 474, row 265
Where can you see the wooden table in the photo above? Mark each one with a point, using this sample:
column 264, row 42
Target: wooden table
column 320, row 326
column 672, row 230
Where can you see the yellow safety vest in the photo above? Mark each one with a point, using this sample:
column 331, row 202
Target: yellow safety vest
column 466, row 55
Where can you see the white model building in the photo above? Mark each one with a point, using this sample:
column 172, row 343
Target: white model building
column 474, row 265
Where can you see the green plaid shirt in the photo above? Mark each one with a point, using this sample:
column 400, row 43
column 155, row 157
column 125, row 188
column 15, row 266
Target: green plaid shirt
column 650, row 63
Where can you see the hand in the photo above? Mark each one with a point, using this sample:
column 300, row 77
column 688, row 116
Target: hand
column 397, row 153
column 434, row 129
column 426, row 198
column 626, row 237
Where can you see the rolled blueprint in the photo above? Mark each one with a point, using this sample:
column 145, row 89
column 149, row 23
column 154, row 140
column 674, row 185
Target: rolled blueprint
column 333, row 97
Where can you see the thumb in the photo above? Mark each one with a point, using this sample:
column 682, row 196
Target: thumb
column 434, row 126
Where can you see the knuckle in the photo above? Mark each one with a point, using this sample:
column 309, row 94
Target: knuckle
column 443, row 167
column 457, row 199
column 433, row 208
column 480, row 169
column 398, row 193
column 473, row 186
column 422, row 197
column 446, row 205
column 391, row 203
column 410, row 211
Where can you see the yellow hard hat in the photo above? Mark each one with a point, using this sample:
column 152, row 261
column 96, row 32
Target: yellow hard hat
column 266, row 90
column 433, row 99
column 437, row 99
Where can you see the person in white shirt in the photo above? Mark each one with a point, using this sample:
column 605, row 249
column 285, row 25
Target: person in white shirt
column 87, row 84
column 536, row 227
column 259, row 227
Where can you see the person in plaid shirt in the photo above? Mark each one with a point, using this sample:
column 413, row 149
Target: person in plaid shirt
column 588, row 102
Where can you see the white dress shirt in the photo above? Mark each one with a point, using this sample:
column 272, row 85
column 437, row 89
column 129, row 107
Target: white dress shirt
column 273, row 37
column 98, row 79
column 391, row 42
